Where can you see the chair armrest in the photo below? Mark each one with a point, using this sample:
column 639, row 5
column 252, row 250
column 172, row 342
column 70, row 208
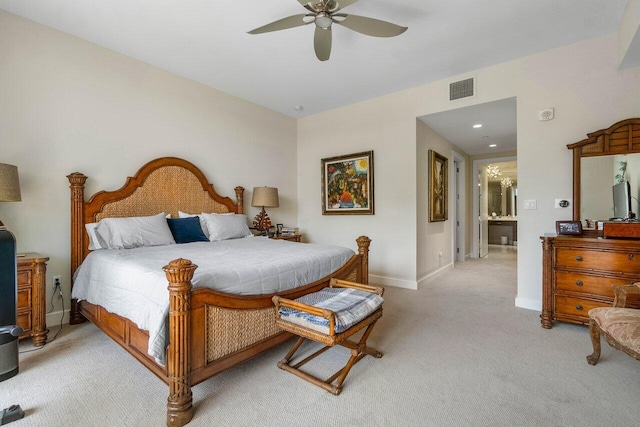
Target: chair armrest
column 337, row 283
column 316, row 311
column 621, row 292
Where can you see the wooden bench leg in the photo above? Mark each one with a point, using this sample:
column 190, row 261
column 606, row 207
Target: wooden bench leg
column 358, row 351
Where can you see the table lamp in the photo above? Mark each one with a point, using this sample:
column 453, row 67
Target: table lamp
column 9, row 184
column 265, row 197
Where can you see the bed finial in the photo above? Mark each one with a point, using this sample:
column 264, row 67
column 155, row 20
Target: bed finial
column 239, row 199
column 179, row 404
column 363, row 251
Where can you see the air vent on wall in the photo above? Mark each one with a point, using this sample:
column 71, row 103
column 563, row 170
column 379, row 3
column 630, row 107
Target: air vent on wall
column 462, row 89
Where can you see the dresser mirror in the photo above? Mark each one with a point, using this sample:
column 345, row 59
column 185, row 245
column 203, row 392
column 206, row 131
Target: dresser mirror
column 599, row 175
column 597, row 161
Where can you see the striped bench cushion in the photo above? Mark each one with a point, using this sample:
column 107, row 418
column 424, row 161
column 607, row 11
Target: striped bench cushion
column 349, row 305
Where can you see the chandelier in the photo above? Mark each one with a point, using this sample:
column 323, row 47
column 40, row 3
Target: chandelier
column 493, row 171
column 506, row 182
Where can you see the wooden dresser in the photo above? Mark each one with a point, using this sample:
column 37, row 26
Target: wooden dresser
column 577, row 274
column 32, row 313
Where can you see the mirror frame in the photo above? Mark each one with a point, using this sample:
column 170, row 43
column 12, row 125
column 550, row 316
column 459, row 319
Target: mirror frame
column 622, row 137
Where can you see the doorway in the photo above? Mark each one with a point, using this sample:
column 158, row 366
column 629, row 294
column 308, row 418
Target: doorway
column 479, row 134
column 495, row 200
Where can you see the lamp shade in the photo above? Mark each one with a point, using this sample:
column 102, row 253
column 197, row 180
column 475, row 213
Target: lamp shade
column 9, row 183
column 266, row 197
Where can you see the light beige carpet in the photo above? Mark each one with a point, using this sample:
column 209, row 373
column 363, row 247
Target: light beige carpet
column 456, row 353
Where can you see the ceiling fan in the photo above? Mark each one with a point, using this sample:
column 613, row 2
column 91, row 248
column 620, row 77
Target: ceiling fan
column 324, row 13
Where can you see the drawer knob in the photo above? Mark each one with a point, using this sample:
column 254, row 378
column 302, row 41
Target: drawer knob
column 630, row 256
column 578, row 282
column 579, row 307
column 578, row 258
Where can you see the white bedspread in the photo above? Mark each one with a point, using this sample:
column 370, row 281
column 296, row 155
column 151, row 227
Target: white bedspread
column 131, row 283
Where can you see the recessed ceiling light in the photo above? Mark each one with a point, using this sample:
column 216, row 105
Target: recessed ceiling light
column 493, row 145
column 476, row 126
column 298, row 108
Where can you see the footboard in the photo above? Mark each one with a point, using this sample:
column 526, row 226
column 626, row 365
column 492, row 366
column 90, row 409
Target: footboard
column 210, row 331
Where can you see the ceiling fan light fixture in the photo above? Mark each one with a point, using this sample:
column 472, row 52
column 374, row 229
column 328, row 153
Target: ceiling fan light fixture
column 323, row 21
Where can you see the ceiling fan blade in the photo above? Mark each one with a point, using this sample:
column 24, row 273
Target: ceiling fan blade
column 344, row 3
column 282, row 24
column 322, row 43
column 370, row 26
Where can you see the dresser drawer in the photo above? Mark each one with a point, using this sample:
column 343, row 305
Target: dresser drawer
column 24, row 299
column 587, row 284
column 24, row 321
column 615, row 262
column 576, row 306
column 24, row 278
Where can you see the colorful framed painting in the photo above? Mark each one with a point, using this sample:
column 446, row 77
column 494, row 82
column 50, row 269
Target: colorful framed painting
column 438, row 175
column 347, row 184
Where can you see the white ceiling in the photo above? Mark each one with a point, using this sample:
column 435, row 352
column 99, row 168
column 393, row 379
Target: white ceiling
column 207, row 41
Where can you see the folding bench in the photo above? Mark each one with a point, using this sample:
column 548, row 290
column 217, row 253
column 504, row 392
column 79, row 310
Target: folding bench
column 329, row 317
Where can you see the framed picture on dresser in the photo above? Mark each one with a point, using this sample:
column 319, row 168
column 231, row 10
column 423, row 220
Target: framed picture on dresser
column 569, row 227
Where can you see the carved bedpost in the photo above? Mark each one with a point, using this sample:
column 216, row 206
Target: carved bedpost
column 77, row 181
column 546, row 317
column 240, row 199
column 363, row 250
column 179, row 274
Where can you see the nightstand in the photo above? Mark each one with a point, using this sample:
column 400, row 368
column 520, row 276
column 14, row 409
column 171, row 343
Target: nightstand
column 294, row 238
column 32, row 270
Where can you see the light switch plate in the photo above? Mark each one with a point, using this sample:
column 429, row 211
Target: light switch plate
column 530, row 204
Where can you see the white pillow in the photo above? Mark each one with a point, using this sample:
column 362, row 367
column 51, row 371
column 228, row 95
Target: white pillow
column 223, row 227
column 95, row 242
column 133, row 232
column 203, row 225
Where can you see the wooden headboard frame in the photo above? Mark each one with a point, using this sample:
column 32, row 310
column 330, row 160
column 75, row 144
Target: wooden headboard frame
column 167, row 184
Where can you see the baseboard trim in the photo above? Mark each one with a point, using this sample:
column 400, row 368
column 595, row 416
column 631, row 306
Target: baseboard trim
column 529, row 304
column 55, row 317
column 430, row 277
column 391, row 281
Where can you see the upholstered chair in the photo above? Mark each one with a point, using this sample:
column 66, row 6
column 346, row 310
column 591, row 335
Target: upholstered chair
column 619, row 325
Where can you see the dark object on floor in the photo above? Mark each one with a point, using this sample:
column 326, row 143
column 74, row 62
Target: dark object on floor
column 8, row 299
column 12, row 413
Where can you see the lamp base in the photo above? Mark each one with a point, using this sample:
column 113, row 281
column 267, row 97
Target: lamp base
column 262, row 220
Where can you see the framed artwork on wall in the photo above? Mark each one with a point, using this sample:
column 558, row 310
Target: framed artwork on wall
column 438, row 175
column 347, row 184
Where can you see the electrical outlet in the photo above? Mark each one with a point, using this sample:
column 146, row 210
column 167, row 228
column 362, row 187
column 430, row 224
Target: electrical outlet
column 57, row 281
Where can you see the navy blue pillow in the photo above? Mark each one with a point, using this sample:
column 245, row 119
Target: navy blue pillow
column 186, row 230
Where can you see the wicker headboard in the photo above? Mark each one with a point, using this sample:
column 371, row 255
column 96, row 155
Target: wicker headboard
column 167, row 184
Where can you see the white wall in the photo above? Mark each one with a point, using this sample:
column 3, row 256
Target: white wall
column 433, row 242
column 580, row 81
column 67, row 105
column 629, row 36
